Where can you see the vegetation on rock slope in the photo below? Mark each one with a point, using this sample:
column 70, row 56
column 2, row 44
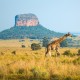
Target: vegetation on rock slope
column 36, row 32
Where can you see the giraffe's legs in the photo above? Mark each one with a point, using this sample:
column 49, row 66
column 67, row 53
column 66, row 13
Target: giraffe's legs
column 57, row 51
column 48, row 53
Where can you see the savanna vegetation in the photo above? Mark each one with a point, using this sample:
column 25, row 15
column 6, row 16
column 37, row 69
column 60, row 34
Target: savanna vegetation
column 36, row 32
column 18, row 63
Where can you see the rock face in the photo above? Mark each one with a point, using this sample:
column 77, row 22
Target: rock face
column 26, row 20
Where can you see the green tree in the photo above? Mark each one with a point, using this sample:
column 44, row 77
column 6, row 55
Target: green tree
column 45, row 41
column 64, row 43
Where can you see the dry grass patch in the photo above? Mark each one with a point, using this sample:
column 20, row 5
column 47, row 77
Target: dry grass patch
column 33, row 65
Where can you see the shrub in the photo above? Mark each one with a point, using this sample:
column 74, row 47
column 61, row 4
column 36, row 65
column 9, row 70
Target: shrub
column 78, row 52
column 23, row 46
column 35, row 46
column 68, row 53
column 2, row 53
column 77, row 61
column 14, row 52
column 20, row 71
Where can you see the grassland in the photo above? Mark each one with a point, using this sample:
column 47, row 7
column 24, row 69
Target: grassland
column 33, row 65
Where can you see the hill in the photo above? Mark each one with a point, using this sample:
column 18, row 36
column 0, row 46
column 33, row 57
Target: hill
column 36, row 32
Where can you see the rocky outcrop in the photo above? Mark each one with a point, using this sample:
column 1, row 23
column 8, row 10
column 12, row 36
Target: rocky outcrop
column 26, row 20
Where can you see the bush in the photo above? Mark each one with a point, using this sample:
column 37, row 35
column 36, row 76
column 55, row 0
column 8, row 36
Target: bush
column 35, row 46
column 23, row 46
column 14, row 52
column 68, row 53
column 2, row 53
column 78, row 52
column 77, row 61
column 20, row 71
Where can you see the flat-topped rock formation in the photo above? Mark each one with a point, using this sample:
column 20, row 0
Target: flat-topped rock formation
column 26, row 20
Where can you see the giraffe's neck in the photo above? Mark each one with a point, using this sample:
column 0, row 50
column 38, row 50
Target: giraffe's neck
column 62, row 38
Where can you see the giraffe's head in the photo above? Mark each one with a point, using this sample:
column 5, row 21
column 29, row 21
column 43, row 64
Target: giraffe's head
column 68, row 34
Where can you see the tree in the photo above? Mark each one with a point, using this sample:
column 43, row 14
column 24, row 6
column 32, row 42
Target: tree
column 45, row 41
column 64, row 43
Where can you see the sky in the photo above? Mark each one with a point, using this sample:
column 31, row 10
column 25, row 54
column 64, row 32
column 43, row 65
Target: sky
column 56, row 15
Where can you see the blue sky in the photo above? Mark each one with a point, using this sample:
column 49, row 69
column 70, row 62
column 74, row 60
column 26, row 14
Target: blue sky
column 56, row 15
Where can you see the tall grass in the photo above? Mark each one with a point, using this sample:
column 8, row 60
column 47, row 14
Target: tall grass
column 33, row 65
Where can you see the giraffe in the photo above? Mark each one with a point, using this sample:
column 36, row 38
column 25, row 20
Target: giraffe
column 56, row 44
